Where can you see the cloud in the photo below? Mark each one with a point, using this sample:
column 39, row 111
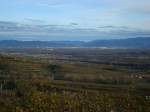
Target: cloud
column 140, row 7
column 15, row 30
column 73, row 24
column 112, row 27
column 34, row 21
column 106, row 27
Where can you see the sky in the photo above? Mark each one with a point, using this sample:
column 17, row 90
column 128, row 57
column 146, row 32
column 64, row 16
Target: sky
column 74, row 19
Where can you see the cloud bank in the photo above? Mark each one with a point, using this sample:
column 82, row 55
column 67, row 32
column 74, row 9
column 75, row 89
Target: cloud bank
column 14, row 30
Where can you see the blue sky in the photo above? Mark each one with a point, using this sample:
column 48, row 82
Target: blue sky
column 74, row 19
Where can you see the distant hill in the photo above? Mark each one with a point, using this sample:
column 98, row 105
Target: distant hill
column 121, row 43
column 113, row 43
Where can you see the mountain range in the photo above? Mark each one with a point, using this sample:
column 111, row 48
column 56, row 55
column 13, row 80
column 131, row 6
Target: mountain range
column 139, row 42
